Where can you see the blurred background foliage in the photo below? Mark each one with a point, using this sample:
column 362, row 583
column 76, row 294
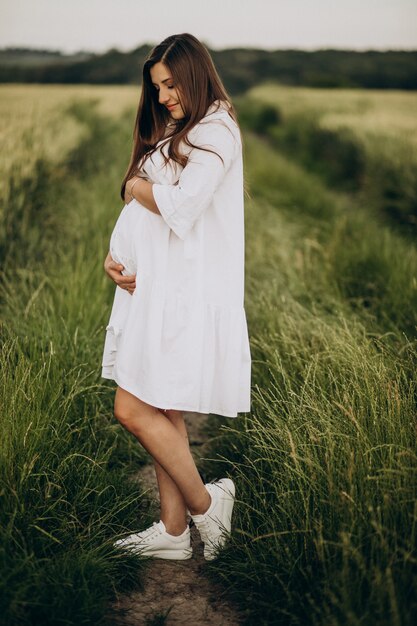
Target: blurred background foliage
column 240, row 68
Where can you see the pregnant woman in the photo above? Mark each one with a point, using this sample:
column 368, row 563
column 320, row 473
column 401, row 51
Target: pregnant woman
column 177, row 339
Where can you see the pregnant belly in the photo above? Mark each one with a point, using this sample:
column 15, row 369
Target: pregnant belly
column 124, row 236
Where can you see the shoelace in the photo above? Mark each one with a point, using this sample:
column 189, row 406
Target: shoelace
column 144, row 535
column 155, row 528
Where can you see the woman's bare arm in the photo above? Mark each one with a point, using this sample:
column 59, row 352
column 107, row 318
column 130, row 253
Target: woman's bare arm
column 142, row 192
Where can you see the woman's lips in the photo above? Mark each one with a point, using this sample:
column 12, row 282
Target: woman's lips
column 171, row 107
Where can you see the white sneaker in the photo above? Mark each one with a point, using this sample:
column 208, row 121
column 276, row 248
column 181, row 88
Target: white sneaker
column 156, row 542
column 215, row 524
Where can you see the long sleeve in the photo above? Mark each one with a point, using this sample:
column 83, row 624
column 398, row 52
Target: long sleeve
column 182, row 204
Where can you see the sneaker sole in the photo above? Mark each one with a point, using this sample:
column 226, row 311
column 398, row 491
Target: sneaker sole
column 172, row 555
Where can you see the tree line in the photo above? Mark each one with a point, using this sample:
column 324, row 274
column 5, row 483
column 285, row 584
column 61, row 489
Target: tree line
column 240, row 68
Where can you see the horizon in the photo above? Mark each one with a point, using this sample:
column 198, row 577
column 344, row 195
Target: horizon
column 256, row 48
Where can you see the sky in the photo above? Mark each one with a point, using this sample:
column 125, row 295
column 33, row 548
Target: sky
column 97, row 25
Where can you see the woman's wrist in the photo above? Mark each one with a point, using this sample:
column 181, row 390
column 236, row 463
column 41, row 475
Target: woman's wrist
column 131, row 184
column 132, row 188
column 142, row 192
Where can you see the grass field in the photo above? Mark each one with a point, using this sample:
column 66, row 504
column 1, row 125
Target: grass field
column 64, row 462
column 356, row 141
column 325, row 464
column 326, row 461
column 377, row 112
column 32, row 125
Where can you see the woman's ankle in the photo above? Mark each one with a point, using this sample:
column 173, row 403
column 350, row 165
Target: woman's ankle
column 174, row 529
column 175, row 523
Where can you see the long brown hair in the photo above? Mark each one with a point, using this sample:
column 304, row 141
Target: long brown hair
column 198, row 84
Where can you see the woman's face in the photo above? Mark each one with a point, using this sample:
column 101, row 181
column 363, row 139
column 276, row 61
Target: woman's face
column 168, row 93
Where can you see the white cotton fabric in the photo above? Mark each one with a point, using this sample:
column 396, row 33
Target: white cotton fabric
column 181, row 340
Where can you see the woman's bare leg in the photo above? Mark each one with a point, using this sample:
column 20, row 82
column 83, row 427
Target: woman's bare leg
column 166, row 444
column 173, row 507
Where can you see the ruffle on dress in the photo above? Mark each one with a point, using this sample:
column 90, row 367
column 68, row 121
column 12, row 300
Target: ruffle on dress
column 110, row 349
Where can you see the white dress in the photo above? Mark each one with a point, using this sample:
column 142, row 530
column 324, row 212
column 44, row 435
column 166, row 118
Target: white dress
column 181, row 340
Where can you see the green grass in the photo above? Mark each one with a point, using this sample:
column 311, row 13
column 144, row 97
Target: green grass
column 325, row 463
column 324, row 530
column 64, row 460
column 380, row 169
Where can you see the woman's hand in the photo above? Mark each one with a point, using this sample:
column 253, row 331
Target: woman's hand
column 113, row 271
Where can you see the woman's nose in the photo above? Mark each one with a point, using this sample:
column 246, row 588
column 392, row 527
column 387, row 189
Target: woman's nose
column 163, row 97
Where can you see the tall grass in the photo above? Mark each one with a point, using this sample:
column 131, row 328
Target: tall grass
column 325, row 463
column 64, row 463
column 32, row 124
column 325, row 526
column 379, row 167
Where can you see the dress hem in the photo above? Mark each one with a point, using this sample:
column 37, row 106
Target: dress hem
column 189, row 409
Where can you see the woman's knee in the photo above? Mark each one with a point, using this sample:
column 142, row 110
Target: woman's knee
column 129, row 410
column 124, row 415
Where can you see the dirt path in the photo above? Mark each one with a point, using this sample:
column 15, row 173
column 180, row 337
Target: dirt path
column 178, row 589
